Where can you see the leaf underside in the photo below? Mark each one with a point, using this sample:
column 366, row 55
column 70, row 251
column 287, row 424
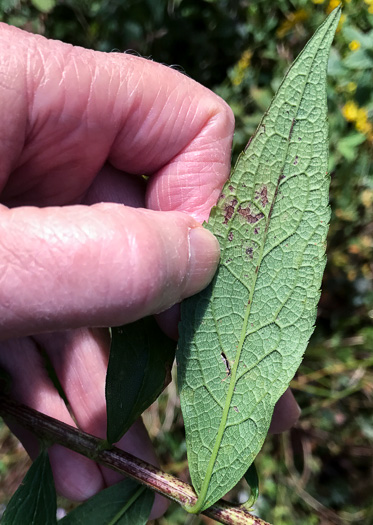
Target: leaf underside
column 243, row 338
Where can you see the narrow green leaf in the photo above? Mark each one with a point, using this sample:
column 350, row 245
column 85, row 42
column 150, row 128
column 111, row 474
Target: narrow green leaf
column 126, row 503
column 243, row 337
column 251, row 477
column 34, row 502
column 140, row 362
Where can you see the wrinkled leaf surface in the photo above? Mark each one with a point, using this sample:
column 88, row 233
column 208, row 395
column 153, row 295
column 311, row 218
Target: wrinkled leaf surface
column 243, row 337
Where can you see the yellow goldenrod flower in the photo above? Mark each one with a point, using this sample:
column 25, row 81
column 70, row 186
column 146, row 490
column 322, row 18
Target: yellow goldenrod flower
column 341, row 22
column 350, row 110
column 245, row 60
column 354, row 45
column 351, row 87
column 237, row 79
column 332, row 5
column 363, row 127
column 318, row 1
column 241, row 66
column 292, row 20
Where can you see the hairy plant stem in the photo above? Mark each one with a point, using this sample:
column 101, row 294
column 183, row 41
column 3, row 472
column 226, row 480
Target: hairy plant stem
column 51, row 430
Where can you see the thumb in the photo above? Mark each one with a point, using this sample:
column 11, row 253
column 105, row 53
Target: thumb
column 100, row 265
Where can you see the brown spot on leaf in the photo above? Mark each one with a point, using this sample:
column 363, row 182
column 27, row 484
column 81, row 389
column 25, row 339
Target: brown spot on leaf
column 230, row 187
column 296, row 160
column 230, row 236
column 263, row 196
column 256, row 231
column 247, row 214
column 229, row 210
column 221, row 196
column 249, row 252
column 291, row 128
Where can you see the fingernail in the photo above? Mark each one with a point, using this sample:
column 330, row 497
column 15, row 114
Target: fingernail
column 204, row 253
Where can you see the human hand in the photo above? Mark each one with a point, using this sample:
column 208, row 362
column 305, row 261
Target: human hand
column 85, row 240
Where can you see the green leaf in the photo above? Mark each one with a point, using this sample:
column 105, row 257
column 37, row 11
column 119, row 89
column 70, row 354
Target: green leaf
column 140, row 362
column 34, row 502
column 251, row 477
column 44, row 6
column 360, row 59
column 126, row 503
column 352, row 33
column 243, row 337
column 348, row 146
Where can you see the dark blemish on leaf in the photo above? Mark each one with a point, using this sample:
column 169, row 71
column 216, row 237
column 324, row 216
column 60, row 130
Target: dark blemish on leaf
column 299, row 138
column 226, row 363
column 249, row 216
column 230, row 236
column 296, row 160
column 291, row 128
column 228, row 261
column 249, row 252
column 282, row 176
column 256, row 231
column 263, row 196
column 230, row 187
column 229, row 210
column 235, row 409
column 243, row 185
column 221, row 196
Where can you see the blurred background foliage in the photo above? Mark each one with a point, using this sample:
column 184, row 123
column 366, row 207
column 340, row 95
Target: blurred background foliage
column 321, row 472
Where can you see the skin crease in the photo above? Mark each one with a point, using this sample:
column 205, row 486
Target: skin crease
column 84, row 240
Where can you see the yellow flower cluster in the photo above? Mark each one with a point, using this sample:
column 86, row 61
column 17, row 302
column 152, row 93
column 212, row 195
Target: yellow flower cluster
column 292, row 20
column 332, row 5
column 241, row 66
column 359, row 116
column 341, row 22
column 370, row 6
column 354, row 45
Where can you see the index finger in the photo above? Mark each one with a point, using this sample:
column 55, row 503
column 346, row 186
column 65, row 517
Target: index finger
column 75, row 107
